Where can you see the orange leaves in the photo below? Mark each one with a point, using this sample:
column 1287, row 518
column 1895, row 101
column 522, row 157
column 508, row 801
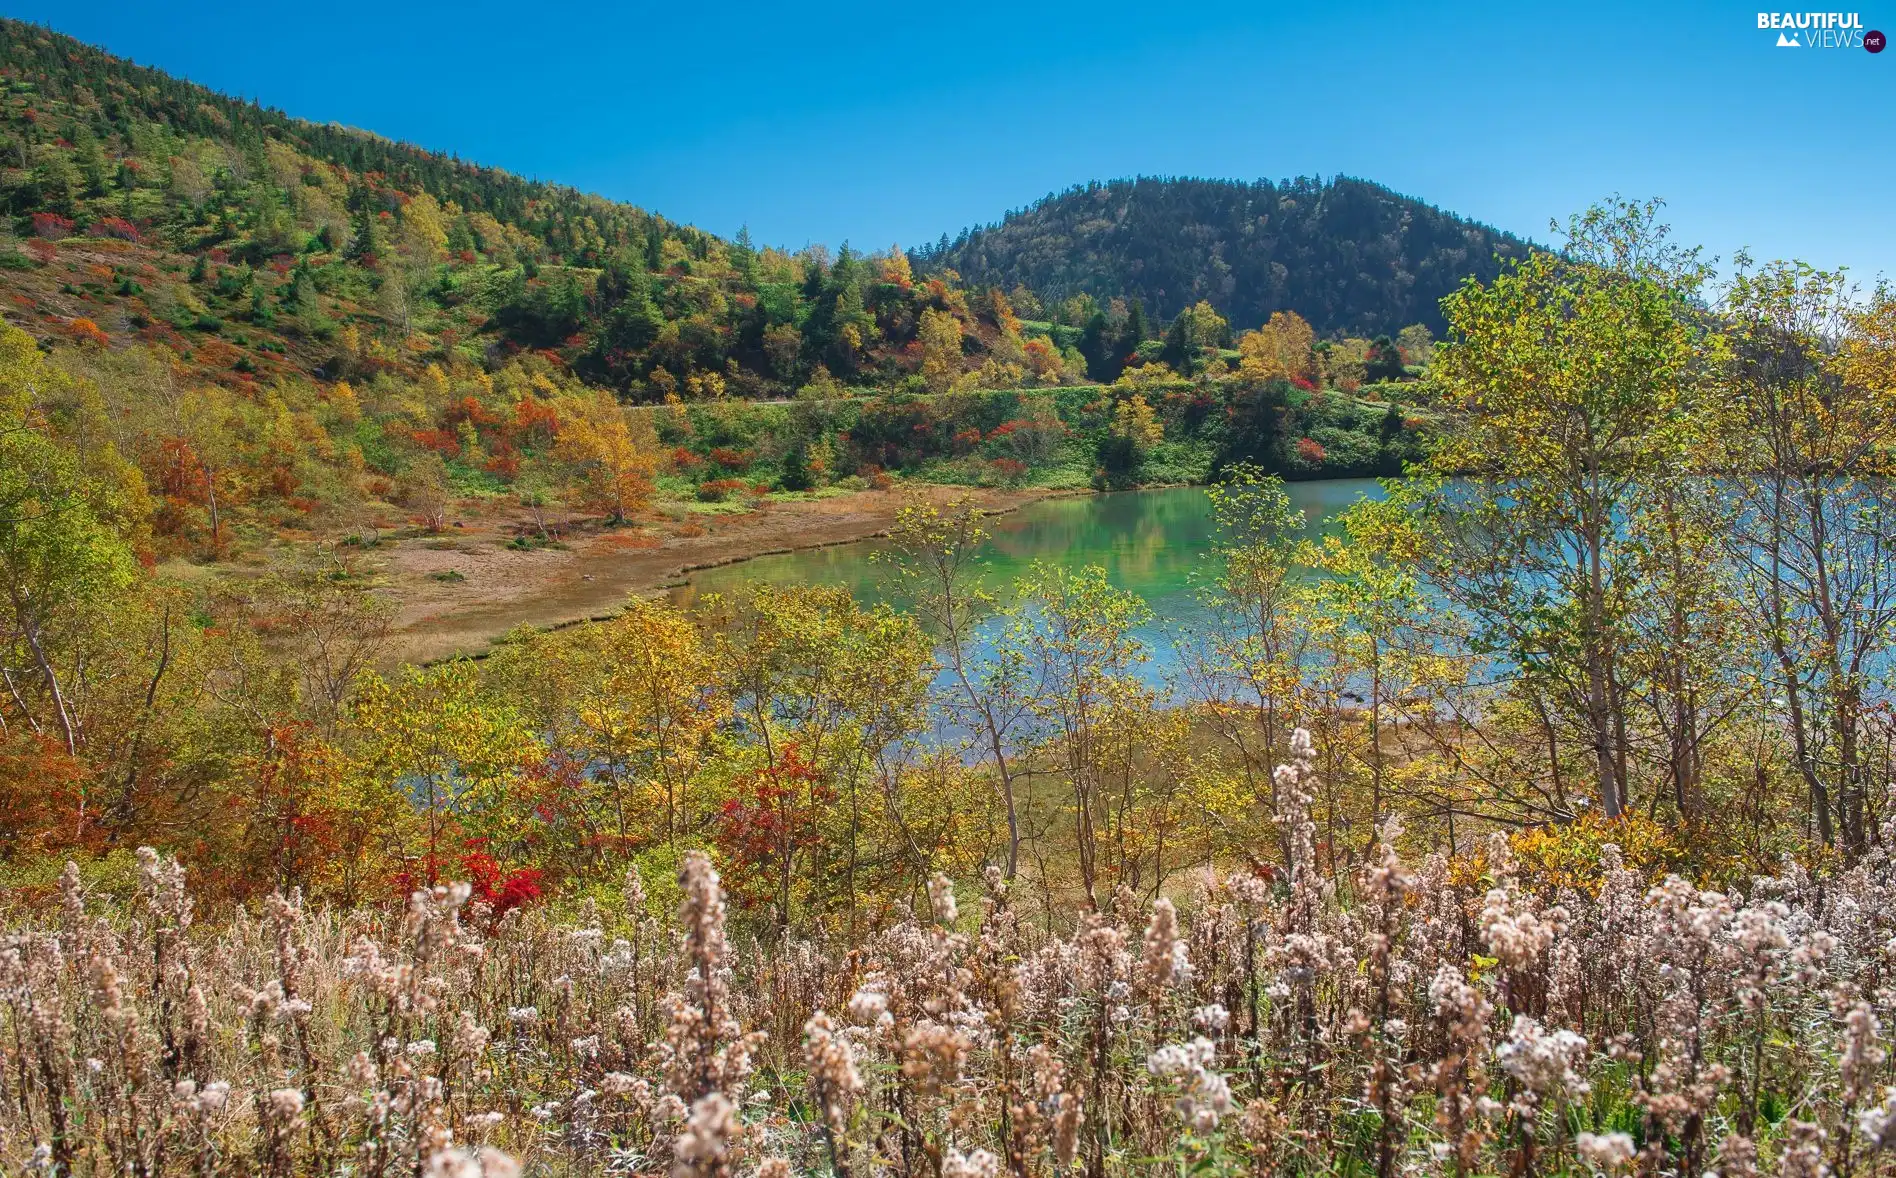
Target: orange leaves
column 85, row 331
column 445, row 442
column 1043, row 359
column 42, row 798
column 535, row 422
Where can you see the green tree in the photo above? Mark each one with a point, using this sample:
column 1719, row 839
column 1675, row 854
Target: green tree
column 63, row 559
column 1074, row 633
column 1574, row 378
column 1811, row 419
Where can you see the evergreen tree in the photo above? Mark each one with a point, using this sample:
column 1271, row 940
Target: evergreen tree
column 796, row 469
column 1384, row 361
column 1096, row 349
column 1181, row 346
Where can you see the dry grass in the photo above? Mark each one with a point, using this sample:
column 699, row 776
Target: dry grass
column 1391, row 1021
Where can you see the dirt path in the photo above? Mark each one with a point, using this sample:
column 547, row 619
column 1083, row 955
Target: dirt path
column 456, row 592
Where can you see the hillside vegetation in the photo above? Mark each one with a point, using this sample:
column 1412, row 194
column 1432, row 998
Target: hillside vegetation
column 1350, row 256
column 293, row 330
column 250, row 244
column 1536, row 818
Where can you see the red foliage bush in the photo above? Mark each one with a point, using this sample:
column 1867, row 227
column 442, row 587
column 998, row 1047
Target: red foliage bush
column 535, row 421
column 51, row 226
column 470, row 409
column 501, row 890
column 117, row 227
column 1311, row 451
column 180, row 473
column 772, row 817
column 718, row 490
column 444, row 442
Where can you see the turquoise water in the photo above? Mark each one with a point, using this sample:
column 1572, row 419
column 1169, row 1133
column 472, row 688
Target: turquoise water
column 1154, row 543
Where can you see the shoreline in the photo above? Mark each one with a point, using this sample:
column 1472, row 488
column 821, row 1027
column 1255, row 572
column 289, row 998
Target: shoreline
column 458, row 592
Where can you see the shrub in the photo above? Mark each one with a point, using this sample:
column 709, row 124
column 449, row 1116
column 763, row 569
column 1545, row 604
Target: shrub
column 51, row 226
column 117, row 227
column 719, row 490
column 87, row 332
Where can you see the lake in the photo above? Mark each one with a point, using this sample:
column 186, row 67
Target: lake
column 1154, row 543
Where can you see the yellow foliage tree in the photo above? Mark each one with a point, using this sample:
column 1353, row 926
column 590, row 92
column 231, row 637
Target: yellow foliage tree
column 647, row 702
column 1134, row 421
column 895, row 268
column 614, row 458
column 1139, row 378
column 426, row 232
column 1280, row 350
column 940, row 334
column 433, row 734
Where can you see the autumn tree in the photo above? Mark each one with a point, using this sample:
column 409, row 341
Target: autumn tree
column 425, row 489
column 328, row 625
column 1196, row 333
column 1572, row 378
column 827, row 693
column 1416, row 344
column 936, row 563
column 1074, row 634
column 433, row 734
column 62, row 559
column 1134, row 431
column 1280, row 350
column 940, row 335
column 1812, row 415
column 613, row 457
column 638, row 699
column 1247, row 661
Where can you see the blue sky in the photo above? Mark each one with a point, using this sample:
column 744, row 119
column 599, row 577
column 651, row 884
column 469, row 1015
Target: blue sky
column 882, row 123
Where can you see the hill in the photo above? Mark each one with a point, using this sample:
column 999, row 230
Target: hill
column 291, row 331
column 1350, row 256
column 252, row 244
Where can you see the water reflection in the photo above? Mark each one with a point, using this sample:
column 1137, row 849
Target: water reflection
column 1154, row 543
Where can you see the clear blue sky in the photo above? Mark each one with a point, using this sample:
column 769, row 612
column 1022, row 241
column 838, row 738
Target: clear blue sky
column 896, row 122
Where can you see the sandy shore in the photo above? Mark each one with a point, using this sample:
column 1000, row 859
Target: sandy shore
column 458, row 591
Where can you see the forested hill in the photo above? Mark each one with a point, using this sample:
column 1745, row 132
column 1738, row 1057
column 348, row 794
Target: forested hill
column 1348, row 255
column 252, row 245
